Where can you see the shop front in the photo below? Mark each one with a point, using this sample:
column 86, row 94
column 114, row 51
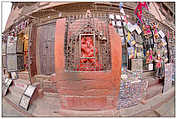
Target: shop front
column 15, row 45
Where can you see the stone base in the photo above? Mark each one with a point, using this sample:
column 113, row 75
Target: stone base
column 88, row 103
column 105, row 113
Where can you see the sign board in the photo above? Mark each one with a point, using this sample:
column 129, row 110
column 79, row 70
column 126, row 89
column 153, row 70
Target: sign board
column 11, row 44
column 29, row 90
column 5, row 86
column 8, row 82
column 118, row 23
column 138, row 30
column 150, row 67
column 111, row 16
column 24, row 102
column 13, row 75
column 161, row 34
column 118, row 17
column 113, row 23
column 4, row 90
column 131, row 27
column 26, row 97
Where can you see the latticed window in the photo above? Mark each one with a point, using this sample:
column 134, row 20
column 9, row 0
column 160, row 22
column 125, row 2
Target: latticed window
column 87, row 44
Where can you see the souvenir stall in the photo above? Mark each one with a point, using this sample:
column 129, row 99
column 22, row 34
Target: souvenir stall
column 4, row 46
column 17, row 47
column 144, row 48
column 171, row 50
column 132, row 87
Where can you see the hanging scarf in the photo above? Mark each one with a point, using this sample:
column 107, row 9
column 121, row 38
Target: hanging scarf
column 138, row 10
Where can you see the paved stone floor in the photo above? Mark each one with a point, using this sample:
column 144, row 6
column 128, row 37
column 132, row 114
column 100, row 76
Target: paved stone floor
column 8, row 110
column 165, row 109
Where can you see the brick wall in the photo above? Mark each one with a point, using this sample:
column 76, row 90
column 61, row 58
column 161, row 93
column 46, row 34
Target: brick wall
column 23, row 75
column 88, row 90
column 47, row 83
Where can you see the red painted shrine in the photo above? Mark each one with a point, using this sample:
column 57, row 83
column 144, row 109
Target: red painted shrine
column 87, row 64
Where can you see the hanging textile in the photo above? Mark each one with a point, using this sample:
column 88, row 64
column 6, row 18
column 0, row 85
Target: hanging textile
column 139, row 10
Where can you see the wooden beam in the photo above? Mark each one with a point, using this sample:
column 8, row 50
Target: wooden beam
column 28, row 16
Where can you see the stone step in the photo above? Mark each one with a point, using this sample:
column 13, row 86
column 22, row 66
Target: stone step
column 148, row 73
column 151, row 81
column 154, row 90
column 23, row 75
column 167, row 109
column 20, row 84
column 17, row 89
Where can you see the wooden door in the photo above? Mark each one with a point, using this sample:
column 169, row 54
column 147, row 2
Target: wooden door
column 46, row 43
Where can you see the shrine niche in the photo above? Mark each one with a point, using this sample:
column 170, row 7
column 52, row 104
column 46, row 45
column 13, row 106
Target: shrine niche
column 87, row 63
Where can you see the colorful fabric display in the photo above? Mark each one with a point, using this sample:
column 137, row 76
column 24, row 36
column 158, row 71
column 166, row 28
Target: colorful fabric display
column 131, row 41
column 25, row 44
column 158, row 64
column 149, row 56
column 147, row 31
column 138, row 10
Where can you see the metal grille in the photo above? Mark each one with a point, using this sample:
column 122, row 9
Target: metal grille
column 87, row 43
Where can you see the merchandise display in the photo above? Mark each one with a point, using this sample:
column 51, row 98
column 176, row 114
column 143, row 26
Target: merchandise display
column 132, row 91
column 168, row 77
